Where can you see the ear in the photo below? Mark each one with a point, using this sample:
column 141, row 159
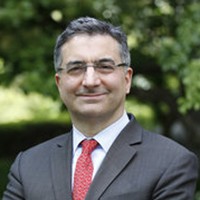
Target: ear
column 57, row 79
column 128, row 77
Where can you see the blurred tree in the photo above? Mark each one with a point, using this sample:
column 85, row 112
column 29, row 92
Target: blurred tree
column 163, row 37
column 164, row 41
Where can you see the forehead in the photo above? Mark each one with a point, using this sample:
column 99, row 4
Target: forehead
column 90, row 48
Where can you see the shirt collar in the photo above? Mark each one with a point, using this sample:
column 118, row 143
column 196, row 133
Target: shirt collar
column 105, row 137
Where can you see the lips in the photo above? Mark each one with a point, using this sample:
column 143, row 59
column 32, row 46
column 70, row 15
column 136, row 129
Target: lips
column 92, row 97
column 91, row 92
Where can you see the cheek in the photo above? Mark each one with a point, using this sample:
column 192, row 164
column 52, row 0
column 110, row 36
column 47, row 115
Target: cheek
column 114, row 81
column 68, row 87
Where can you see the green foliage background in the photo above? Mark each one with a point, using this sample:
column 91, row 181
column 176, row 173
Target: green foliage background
column 164, row 40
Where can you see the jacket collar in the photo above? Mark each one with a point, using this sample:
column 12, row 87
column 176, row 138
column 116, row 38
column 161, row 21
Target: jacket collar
column 121, row 152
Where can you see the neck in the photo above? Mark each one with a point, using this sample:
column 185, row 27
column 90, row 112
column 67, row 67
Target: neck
column 90, row 126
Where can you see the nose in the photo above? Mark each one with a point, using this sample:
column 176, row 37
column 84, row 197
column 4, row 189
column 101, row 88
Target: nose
column 91, row 77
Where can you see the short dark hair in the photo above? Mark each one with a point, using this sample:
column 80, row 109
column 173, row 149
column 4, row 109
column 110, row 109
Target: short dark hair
column 90, row 26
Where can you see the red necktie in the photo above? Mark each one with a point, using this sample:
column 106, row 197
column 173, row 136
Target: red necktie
column 84, row 170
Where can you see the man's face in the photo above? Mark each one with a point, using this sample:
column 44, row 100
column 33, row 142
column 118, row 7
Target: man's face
column 92, row 94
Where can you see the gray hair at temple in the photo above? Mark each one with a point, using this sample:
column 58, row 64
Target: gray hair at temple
column 91, row 26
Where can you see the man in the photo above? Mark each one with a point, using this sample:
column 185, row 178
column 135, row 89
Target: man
column 125, row 162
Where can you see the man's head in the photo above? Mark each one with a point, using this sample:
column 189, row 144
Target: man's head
column 91, row 26
column 92, row 72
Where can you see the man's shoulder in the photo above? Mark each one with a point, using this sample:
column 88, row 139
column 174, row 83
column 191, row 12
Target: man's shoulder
column 47, row 145
column 162, row 143
column 155, row 141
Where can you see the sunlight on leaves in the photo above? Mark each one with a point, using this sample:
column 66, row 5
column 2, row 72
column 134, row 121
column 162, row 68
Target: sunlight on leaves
column 56, row 15
column 141, row 82
column 15, row 106
column 192, row 85
column 143, row 112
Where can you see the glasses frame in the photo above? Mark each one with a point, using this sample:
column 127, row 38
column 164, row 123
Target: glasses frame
column 95, row 65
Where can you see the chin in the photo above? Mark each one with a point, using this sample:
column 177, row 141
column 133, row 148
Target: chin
column 93, row 114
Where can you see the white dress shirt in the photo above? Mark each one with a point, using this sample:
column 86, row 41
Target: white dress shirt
column 105, row 138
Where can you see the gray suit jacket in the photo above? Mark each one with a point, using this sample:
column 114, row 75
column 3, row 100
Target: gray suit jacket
column 139, row 166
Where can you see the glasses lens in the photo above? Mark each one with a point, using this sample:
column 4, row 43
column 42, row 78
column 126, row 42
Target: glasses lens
column 105, row 67
column 75, row 68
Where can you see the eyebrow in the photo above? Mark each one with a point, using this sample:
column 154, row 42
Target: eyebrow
column 83, row 62
column 75, row 62
column 105, row 60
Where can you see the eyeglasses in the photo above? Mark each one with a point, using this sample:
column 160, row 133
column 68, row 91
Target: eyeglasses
column 104, row 66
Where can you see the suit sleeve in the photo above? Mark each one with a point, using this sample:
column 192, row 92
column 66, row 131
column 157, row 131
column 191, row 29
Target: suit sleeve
column 14, row 189
column 179, row 180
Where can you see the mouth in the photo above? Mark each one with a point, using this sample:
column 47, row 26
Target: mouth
column 91, row 94
column 92, row 97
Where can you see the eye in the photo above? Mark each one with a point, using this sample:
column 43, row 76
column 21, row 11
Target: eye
column 106, row 67
column 75, row 69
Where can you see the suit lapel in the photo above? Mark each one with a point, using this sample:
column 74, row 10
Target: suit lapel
column 61, row 167
column 117, row 158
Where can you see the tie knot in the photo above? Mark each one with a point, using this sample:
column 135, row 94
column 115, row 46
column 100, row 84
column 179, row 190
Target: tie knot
column 88, row 146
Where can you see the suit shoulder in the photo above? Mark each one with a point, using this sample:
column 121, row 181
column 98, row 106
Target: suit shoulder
column 47, row 145
column 163, row 143
column 152, row 140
